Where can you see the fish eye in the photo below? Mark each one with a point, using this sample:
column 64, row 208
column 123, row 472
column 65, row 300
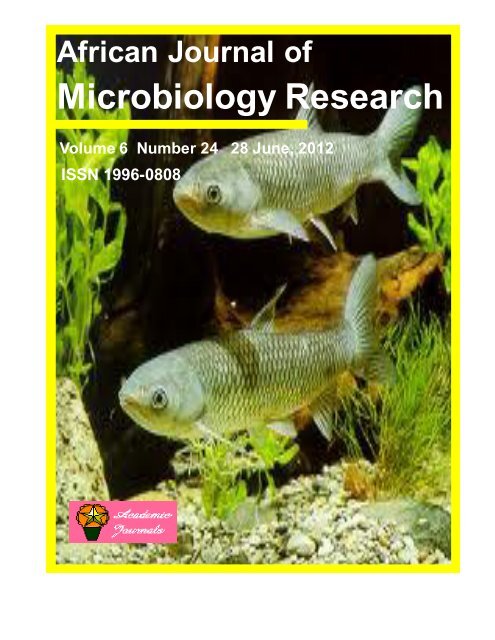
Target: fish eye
column 159, row 398
column 213, row 194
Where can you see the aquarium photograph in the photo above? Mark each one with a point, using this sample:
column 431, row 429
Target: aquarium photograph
column 253, row 298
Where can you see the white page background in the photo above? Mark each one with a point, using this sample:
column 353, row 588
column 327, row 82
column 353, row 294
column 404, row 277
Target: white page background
column 238, row 605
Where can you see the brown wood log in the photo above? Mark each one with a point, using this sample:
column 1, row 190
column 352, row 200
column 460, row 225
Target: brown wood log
column 320, row 301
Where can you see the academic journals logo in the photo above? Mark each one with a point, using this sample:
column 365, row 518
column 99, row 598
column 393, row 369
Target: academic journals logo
column 92, row 517
column 123, row 521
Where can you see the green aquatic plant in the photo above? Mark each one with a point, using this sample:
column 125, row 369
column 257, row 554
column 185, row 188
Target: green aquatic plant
column 415, row 420
column 407, row 425
column 432, row 168
column 227, row 466
column 271, row 450
column 90, row 229
column 222, row 489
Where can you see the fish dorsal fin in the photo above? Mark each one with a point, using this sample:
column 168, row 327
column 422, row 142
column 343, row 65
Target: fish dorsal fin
column 264, row 319
column 309, row 114
column 281, row 221
column 323, row 411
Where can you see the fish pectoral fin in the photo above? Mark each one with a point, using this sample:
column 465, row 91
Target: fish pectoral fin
column 264, row 319
column 310, row 114
column 320, row 224
column 349, row 209
column 323, row 412
column 281, row 221
column 283, row 428
column 209, row 435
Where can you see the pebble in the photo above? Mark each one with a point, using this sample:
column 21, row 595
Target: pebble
column 301, row 544
column 326, row 548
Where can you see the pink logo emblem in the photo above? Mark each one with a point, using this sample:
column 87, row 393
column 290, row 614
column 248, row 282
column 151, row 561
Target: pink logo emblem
column 123, row 521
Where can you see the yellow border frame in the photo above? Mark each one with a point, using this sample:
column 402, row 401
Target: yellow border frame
column 51, row 125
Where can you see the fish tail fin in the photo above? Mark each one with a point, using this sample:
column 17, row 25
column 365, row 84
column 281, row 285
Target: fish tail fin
column 393, row 137
column 368, row 358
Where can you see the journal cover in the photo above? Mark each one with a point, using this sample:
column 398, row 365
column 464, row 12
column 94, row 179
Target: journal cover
column 252, row 298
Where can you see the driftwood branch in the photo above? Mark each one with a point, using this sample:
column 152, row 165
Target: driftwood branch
column 319, row 302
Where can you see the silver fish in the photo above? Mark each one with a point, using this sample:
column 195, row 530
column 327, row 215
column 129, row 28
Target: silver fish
column 264, row 191
column 256, row 377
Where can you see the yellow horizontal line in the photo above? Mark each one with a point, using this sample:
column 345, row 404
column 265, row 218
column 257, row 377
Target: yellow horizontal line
column 254, row 568
column 228, row 29
column 181, row 124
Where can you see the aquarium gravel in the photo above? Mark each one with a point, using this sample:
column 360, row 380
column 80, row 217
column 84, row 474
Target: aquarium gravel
column 312, row 520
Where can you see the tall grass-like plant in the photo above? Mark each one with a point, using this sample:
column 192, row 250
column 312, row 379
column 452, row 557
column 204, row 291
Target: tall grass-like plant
column 415, row 420
column 90, row 229
column 408, row 424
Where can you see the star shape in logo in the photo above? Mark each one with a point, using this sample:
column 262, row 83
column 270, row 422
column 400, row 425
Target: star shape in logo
column 94, row 516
